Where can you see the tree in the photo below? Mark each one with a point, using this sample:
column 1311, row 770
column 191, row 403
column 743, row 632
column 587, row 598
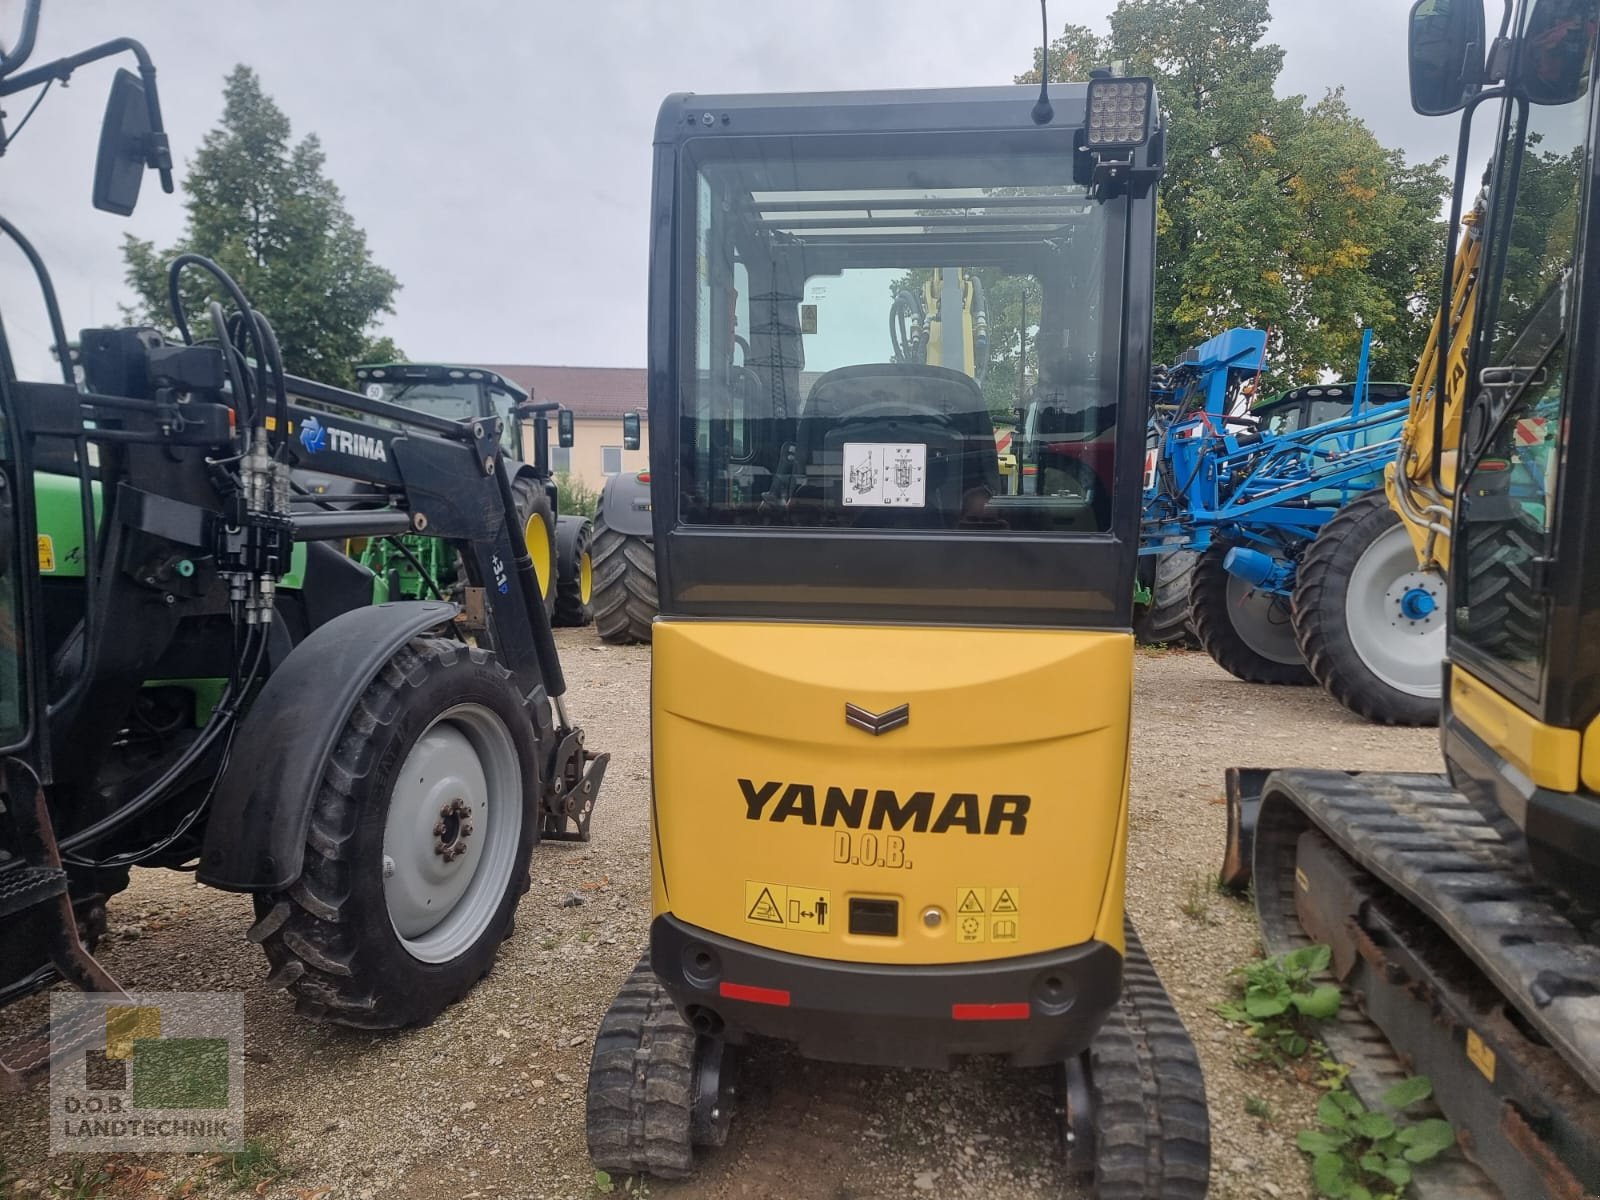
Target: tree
column 264, row 210
column 1273, row 212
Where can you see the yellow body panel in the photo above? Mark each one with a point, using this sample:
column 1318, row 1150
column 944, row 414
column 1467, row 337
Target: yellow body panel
column 1589, row 760
column 1544, row 753
column 1009, row 786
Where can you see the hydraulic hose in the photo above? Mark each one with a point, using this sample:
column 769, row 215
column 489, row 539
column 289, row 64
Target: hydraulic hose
column 223, row 716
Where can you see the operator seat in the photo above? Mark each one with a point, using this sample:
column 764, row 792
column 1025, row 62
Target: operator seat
column 896, row 404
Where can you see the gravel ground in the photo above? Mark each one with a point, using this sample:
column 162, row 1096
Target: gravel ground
column 488, row 1101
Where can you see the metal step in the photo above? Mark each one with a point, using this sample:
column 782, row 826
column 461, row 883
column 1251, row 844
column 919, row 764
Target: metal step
column 1427, row 843
column 41, row 884
column 22, row 886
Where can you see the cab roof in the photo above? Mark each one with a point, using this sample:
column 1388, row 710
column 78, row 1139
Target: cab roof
column 685, row 115
column 438, row 372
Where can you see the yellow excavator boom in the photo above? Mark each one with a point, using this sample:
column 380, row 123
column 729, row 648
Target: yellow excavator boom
column 1421, row 480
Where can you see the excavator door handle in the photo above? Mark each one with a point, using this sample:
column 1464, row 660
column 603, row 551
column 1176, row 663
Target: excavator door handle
column 1501, row 379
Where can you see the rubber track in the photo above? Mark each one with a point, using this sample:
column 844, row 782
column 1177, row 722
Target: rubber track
column 1166, row 621
column 1351, row 1037
column 307, row 940
column 1152, row 1129
column 1212, row 625
column 641, row 1083
column 1323, row 636
column 1427, row 843
column 625, row 598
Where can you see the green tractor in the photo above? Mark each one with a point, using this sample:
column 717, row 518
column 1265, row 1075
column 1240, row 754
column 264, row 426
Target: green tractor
column 195, row 675
column 559, row 544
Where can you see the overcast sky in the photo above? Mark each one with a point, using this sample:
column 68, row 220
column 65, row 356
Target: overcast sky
column 498, row 153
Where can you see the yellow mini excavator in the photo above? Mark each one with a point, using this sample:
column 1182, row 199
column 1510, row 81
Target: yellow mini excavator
column 890, row 699
column 1461, row 908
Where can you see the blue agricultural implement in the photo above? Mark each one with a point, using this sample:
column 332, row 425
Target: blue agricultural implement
column 1247, row 489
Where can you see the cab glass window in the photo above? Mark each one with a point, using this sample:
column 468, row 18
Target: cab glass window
column 871, row 317
column 1506, row 512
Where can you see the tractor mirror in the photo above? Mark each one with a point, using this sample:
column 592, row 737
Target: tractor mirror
column 630, row 431
column 124, row 137
column 1446, row 48
column 564, row 436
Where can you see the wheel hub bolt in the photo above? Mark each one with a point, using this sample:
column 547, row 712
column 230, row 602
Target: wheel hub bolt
column 452, row 829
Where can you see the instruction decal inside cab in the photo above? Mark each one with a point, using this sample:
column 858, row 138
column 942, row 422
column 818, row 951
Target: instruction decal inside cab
column 885, row 475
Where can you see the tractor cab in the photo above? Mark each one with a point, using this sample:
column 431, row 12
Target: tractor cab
column 557, row 543
column 1302, row 407
column 890, row 692
column 470, row 393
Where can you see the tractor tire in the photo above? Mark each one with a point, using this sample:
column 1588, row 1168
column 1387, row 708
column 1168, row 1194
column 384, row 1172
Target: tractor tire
column 625, row 597
column 1165, row 620
column 574, row 572
column 1507, row 614
column 640, row 1116
column 1380, row 659
column 1247, row 632
column 357, row 939
column 532, row 501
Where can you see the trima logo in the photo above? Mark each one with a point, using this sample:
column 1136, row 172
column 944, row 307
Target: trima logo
column 151, row 1072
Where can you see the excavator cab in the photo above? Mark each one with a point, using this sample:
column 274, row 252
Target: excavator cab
column 890, row 698
column 1459, row 909
column 1522, row 705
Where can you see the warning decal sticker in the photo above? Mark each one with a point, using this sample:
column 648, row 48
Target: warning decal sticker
column 47, row 553
column 988, row 915
column 809, row 910
column 765, row 909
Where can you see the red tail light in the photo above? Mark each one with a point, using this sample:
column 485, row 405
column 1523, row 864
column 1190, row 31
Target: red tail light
column 991, row 1012
column 643, row 476
column 755, row 995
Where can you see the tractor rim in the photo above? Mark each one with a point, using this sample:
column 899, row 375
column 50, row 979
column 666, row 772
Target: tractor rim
column 585, row 578
column 1261, row 619
column 450, row 839
column 1396, row 615
column 536, row 535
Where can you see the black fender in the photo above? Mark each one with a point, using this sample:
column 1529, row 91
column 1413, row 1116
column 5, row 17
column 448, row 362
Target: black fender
column 256, row 831
column 625, row 505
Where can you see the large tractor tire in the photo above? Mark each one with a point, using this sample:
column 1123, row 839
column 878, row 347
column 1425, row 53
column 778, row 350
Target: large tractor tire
column 1369, row 622
column 1507, row 611
column 625, row 597
column 1246, row 630
column 574, row 572
column 539, row 530
column 1165, row 620
column 417, row 852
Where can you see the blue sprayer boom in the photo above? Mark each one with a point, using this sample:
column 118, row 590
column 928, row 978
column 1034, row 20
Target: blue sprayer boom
column 1247, row 488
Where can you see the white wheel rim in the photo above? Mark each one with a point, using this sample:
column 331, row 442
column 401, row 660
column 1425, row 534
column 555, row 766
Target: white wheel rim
column 1261, row 620
column 450, row 839
column 1400, row 644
